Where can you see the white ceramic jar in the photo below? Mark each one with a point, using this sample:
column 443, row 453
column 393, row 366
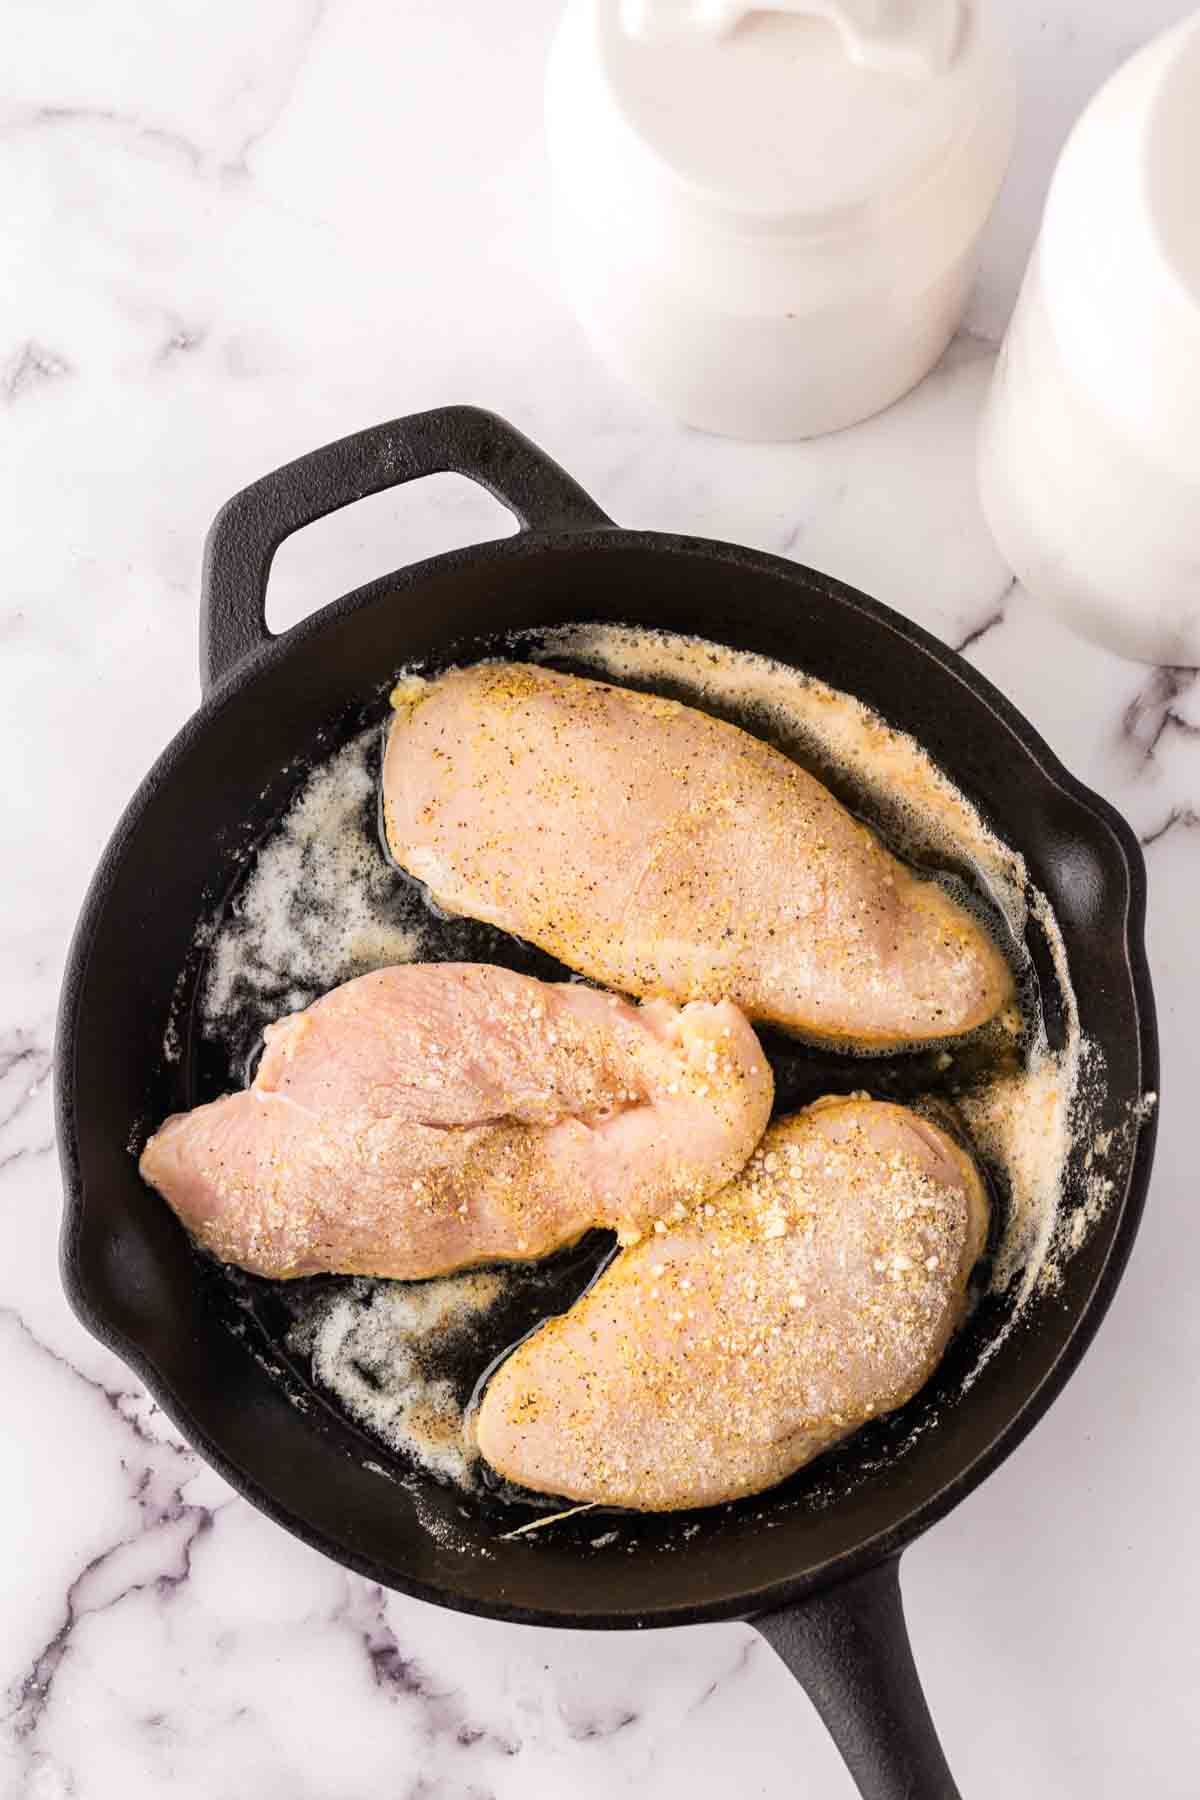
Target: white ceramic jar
column 1090, row 447
column 767, row 216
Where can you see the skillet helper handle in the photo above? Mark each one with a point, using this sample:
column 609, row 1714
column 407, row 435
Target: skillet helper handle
column 849, row 1649
column 459, row 440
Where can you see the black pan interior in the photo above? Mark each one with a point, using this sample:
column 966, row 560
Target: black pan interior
column 210, row 1346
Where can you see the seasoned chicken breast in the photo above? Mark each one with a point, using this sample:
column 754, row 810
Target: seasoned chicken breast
column 665, row 853
column 425, row 1118
column 723, row 1352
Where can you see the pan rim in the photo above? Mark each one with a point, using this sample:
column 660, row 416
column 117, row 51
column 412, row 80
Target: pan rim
column 1090, row 1311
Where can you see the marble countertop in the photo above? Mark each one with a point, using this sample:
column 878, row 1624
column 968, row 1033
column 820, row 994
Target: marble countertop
column 232, row 232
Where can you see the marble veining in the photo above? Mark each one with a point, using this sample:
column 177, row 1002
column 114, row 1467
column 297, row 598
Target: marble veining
column 233, row 232
column 28, row 367
column 1154, row 711
column 990, row 621
column 1181, row 818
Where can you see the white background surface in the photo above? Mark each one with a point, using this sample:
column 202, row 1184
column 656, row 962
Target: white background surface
column 231, row 232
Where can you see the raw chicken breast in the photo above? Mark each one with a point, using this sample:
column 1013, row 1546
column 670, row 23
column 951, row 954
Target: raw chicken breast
column 663, row 852
column 425, row 1118
column 719, row 1355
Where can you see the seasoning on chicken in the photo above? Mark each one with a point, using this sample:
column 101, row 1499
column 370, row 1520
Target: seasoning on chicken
column 711, row 1360
column 666, row 853
column 430, row 1117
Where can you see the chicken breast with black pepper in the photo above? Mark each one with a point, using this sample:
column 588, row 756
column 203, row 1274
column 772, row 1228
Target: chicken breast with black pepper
column 666, row 853
column 710, row 1361
column 426, row 1118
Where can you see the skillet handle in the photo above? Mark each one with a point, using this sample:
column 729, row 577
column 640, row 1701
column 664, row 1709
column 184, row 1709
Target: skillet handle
column 849, row 1649
column 460, row 440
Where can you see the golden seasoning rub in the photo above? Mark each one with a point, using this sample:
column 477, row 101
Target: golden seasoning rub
column 666, row 853
column 817, row 1291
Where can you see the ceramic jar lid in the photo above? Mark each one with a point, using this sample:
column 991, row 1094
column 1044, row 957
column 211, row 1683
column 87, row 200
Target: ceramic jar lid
column 799, row 115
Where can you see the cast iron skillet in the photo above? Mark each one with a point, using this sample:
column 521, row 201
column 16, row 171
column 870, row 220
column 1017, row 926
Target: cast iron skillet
column 818, row 1580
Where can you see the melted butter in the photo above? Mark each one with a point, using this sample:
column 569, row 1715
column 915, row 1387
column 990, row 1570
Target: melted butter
column 318, row 905
column 378, row 1347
